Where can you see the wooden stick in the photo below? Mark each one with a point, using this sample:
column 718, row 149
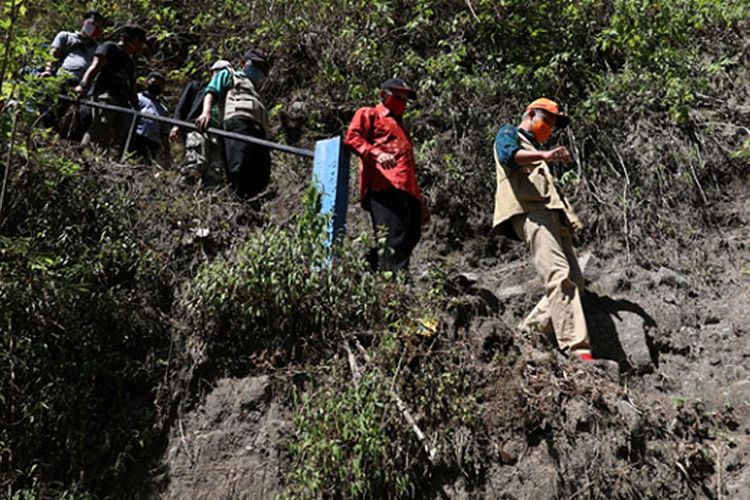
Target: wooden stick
column 405, row 411
column 6, row 170
column 356, row 373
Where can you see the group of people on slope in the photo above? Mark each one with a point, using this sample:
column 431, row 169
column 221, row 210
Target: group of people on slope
column 106, row 74
column 528, row 206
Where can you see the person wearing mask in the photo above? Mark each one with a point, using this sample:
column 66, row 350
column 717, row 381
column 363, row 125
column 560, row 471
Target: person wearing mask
column 387, row 175
column 150, row 140
column 72, row 52
column 248, row 166
column 203, row 156
column 529, row 207
column 110, row 79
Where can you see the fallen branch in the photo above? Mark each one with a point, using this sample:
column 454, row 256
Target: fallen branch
column 183, row 441
column 473, row 12
column 356, row 373
column 719, row 486
column 402, row 406
column 6, row 169
column 696, row 180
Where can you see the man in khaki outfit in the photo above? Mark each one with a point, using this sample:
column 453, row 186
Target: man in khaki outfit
column 528, row 207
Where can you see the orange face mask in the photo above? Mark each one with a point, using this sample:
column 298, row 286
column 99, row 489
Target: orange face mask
column 541, row 130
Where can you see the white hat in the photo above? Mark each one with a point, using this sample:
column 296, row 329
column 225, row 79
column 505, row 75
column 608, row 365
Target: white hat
column 221, row 64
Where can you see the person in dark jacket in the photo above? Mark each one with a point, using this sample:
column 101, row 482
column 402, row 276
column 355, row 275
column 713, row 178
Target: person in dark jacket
column 203, row 155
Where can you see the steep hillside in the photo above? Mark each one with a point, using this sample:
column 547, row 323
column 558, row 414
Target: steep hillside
column 164, row 341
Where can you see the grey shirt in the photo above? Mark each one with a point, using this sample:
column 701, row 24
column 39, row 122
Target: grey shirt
column 77, row 52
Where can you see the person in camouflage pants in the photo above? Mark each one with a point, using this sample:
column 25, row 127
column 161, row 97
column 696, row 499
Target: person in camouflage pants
column 203, row 160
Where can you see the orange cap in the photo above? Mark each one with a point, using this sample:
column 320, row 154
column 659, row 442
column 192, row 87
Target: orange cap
column 551, row 107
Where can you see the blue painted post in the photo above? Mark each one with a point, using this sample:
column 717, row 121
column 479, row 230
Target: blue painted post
column 331, row 178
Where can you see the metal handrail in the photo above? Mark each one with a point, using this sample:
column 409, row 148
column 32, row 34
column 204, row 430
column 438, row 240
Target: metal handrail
column 190, row 125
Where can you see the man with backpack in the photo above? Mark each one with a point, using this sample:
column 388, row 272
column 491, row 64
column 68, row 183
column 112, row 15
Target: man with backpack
column 241, row 110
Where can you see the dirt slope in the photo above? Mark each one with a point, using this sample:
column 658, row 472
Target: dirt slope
column 668, row 417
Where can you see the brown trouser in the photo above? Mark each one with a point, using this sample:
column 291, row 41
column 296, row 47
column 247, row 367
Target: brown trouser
column 552, row 251
column 109, row 129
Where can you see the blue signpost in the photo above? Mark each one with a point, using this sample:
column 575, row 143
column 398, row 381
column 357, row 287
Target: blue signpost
column 331, row 178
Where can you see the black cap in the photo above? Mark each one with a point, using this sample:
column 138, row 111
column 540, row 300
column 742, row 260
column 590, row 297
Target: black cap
column 132, row 31
column 96, row 16
column 398, row 84
column 257, row 56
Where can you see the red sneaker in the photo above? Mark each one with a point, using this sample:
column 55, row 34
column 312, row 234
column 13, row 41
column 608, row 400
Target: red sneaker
column 585, row 357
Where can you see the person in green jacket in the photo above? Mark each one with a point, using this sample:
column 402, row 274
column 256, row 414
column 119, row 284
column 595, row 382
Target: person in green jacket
column 241, row 110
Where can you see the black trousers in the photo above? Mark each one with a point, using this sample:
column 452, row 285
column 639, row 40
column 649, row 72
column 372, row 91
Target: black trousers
column 400, row 213
column 66, row 117
column 144, row 148
column 248, row 165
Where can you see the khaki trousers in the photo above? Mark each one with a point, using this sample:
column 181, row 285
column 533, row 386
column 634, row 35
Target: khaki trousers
column 552, row 251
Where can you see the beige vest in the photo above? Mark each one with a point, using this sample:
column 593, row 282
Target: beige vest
column 517, row 193
column 243, row 101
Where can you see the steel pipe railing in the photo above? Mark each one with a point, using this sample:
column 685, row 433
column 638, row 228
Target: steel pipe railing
column 188, row 125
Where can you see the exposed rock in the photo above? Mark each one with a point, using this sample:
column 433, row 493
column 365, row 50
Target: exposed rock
column 591, row 266
column 610, row 368
column 578, row 416
column 738, row 476
column 233, row 446
column 613, row 283
column 535, row 476
column 511, row 292
column 667, row 277
column 469, row 278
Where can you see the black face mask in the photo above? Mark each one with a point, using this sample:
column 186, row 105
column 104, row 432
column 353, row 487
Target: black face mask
column 154, row 89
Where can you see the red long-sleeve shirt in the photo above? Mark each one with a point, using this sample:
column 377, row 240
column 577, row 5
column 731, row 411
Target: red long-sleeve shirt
column 374, row 131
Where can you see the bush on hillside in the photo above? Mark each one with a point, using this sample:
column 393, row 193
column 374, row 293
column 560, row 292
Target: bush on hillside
column 280, row 293
column 82, row 340
column 352, row 439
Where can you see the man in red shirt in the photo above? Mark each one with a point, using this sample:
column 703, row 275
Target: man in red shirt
column 387, row 179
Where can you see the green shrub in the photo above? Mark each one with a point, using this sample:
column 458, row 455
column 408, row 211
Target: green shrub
column 81, row 331
column 277, row 291
column 347, row 445
column 353, row 441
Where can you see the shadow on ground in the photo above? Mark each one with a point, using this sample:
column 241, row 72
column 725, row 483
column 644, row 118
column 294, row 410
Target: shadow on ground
column 619, row 331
